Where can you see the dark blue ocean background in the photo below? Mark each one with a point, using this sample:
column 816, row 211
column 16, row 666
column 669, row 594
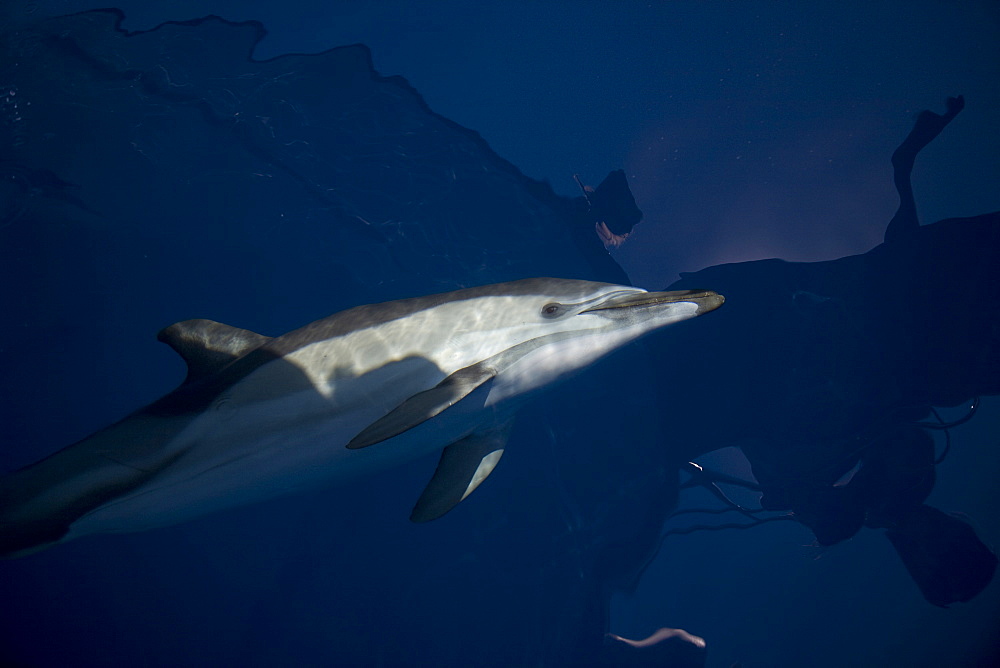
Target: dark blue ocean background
column 747, row 131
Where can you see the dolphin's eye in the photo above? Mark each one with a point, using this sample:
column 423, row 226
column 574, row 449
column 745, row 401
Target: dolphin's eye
column 553, row 310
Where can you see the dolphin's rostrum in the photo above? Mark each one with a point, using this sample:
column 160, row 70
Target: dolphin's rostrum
column 358, row 391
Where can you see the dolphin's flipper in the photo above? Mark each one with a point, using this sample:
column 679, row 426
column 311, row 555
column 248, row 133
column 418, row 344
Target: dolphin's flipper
column 207, row 346
column 463, row 465
column 425, row 405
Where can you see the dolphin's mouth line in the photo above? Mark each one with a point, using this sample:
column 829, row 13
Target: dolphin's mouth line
column 645, row 299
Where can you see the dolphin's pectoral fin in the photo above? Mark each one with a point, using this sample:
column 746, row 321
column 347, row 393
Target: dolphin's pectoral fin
column 424, row 405
column 463, row 465
column 207, row 346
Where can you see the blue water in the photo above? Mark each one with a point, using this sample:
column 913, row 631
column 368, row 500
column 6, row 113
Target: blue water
column 152, row 177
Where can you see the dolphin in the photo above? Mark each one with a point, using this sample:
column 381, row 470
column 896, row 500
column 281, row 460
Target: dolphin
column 348, row 395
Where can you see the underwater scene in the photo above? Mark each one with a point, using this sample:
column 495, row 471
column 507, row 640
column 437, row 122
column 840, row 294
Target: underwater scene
column 499, row 334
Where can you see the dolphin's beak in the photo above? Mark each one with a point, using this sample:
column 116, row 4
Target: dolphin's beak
column 705, row 299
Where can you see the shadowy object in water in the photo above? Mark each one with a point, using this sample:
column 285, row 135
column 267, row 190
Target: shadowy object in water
column 830, row 369
column 610, row 207
column 942, row 554
column 928, row 126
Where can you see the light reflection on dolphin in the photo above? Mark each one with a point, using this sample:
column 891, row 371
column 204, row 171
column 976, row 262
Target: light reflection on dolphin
column 259, row 417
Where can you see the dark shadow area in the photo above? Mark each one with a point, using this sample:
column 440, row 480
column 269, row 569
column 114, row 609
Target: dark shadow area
column 831, row 372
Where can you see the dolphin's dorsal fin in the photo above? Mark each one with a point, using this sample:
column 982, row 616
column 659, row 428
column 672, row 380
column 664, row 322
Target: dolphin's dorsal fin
column 207, row 346
column 463, row 465
column 424, row 405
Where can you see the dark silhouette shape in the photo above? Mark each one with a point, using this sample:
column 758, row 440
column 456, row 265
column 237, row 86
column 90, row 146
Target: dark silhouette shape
column 942, row 554
column 610, row 208
column 928, row 126
column 830, row 370
column 613, row 204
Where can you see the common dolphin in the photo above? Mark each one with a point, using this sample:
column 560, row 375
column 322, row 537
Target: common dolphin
column 347, row 395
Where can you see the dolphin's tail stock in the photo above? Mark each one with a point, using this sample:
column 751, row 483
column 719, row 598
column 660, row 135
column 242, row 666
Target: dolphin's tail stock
column 39, row 502
column 22, row 532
